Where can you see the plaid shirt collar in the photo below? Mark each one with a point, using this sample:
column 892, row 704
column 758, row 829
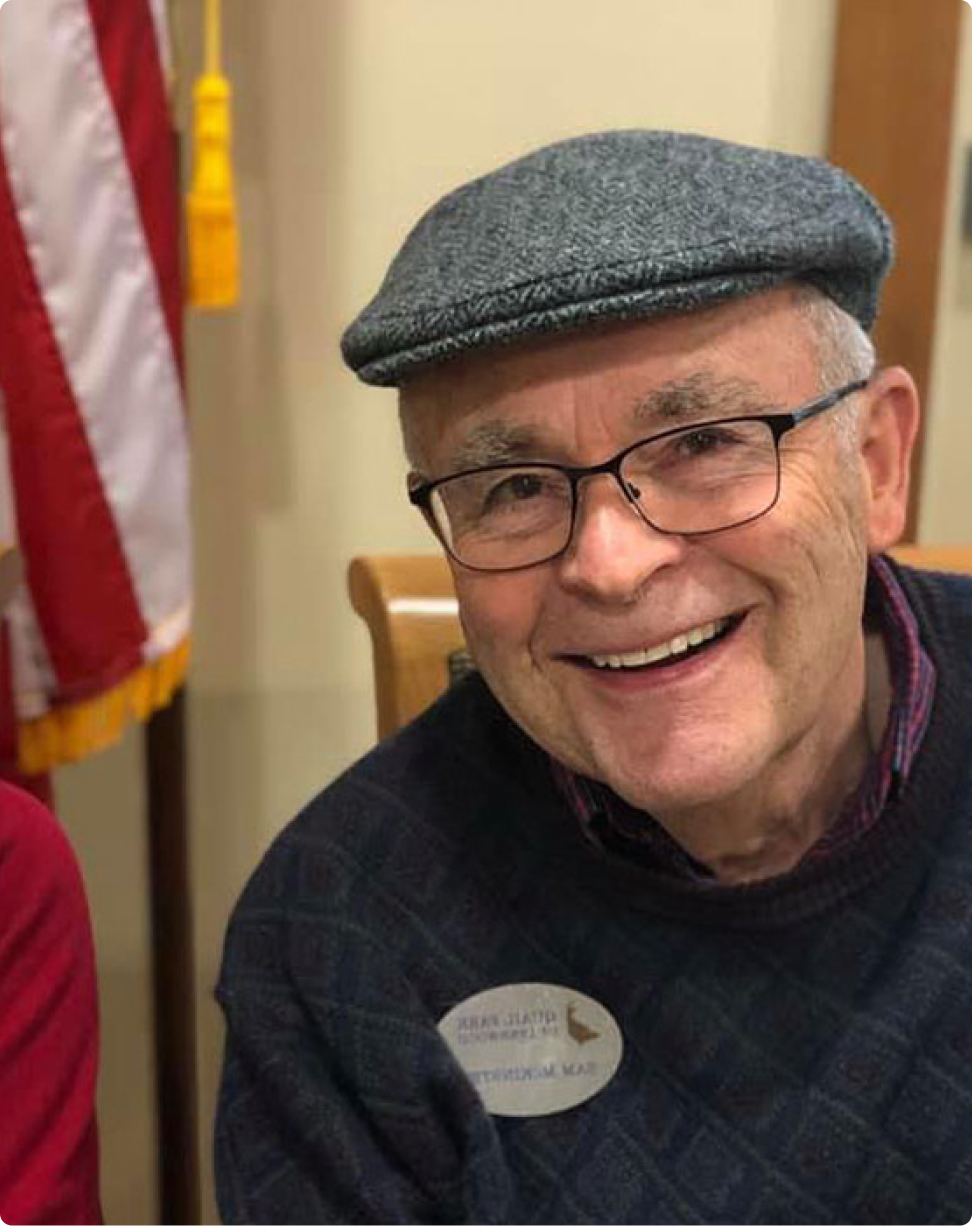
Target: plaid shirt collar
column 615, row 826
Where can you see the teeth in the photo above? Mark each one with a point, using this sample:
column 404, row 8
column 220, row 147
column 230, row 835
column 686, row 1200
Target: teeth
column 674, row 647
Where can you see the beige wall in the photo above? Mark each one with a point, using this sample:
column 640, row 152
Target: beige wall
column 946, row 503
column 352, row 116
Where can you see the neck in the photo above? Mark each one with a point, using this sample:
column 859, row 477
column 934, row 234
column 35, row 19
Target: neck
column 767, row 827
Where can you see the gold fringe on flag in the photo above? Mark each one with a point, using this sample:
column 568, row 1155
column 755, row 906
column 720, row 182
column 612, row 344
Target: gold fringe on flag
column 72, row 732
column 214, row 255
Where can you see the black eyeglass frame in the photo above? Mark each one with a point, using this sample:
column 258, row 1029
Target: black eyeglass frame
column 779, row 424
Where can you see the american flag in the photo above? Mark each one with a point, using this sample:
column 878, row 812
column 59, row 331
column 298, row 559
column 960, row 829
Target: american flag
column 93, row 446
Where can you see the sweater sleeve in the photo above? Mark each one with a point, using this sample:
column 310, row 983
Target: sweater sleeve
column 327, row 1111
column 48, row 1023
column 339, row 1101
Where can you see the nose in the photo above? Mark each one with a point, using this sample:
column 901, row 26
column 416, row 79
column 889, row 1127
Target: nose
column 613, row 551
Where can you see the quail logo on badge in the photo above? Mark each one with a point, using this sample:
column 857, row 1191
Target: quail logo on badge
column 533, row 1048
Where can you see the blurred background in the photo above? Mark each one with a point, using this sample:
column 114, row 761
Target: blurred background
column 351, row 117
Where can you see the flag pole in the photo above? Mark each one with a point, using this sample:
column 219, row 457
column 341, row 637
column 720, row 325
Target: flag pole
column 172, row 941
column 173, row 978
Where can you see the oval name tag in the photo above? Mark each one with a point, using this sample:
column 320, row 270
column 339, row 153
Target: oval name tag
column 533, row 1048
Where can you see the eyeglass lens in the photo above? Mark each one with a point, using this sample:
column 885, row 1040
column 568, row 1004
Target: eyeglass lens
column 697, row 480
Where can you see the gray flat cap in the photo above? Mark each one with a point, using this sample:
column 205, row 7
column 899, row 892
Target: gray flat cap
column 617, row 225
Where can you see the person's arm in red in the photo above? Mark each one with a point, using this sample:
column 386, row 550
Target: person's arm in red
column 48, row 1023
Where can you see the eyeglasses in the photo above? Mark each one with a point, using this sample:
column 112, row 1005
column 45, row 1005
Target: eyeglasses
column 688, row 481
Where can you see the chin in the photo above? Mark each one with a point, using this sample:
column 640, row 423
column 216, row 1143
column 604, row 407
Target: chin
column 659, row 784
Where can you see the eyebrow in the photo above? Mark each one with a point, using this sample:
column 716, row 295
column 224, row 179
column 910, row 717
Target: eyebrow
column 495, row 442
column 697, row 397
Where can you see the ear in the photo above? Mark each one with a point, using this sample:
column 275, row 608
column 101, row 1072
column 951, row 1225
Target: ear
column 889, row 424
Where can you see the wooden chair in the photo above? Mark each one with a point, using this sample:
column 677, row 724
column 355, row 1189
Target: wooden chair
column 409, row 606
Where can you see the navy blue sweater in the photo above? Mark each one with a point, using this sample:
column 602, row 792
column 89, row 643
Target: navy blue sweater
column 797, row 1050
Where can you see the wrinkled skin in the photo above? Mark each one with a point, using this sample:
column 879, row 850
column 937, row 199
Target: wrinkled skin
column 744, row 759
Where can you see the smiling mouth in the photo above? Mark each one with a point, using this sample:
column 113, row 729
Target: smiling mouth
column 695, row 642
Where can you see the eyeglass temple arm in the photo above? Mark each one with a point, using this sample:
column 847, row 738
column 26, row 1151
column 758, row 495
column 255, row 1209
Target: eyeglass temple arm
column 828, row 401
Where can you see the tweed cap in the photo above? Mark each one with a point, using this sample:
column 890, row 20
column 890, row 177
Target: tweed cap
column 617, row 225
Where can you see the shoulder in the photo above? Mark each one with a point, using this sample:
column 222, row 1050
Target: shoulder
column 44, row 921
column 36, row 858
column 425, row 788
column 942, row 603
column 423, row 820
column 48, row 1022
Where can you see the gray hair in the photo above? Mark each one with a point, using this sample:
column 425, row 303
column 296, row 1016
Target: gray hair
column 845, row 353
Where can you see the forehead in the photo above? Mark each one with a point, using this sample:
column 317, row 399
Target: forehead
column 624, row 380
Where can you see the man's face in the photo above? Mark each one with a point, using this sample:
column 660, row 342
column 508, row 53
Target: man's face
column 786, row 591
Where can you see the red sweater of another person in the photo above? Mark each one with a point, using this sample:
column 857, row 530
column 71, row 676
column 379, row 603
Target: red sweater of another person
column 48, row 1023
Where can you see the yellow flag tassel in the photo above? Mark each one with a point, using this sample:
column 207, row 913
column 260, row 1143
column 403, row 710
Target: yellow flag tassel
column 211, row 207
column 73, row 732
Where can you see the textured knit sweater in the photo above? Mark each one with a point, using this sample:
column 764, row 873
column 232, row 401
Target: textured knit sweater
column 795, row 1050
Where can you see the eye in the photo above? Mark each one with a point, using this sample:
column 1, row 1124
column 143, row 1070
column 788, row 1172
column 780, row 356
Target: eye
column 516, row 487
column 705, row 441
column 711, row 444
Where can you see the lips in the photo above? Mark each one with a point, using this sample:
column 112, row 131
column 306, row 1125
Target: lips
column 687, row 643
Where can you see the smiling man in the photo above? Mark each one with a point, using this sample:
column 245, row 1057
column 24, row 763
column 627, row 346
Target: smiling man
column 666, row 914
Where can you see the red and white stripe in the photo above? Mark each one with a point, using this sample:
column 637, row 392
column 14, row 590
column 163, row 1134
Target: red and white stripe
column 90, row 345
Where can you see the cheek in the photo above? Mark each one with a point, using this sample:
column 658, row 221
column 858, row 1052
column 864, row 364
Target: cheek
column 499, row 613
column 821, row 530
column 826, row 494
column 815, row 566
column 809, row 555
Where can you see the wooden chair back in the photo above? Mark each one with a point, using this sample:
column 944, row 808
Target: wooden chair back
column 409, row 606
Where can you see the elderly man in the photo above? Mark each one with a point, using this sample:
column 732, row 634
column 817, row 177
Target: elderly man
column 666, row 914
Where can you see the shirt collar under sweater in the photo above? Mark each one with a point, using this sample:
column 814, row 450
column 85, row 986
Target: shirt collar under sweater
column 619, row 828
